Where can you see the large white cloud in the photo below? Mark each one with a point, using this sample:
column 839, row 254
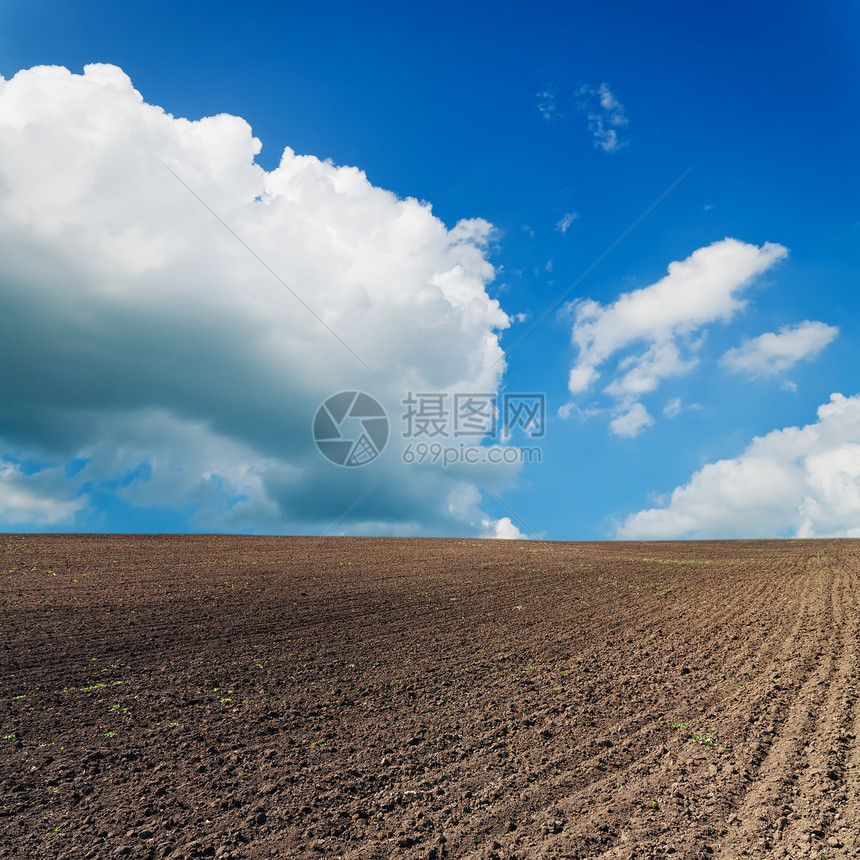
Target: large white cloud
column 773, row 353
column 656, row 326
column 802, row 482
column 140, row 334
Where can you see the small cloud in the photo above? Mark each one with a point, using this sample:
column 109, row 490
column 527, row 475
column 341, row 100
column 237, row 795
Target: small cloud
column 565, row 221
column 774, row 352
column 673, row 407
column 528, row 231
column 547, row 102
column 606, row 116
column 521, row 317
column 502, row 529
column 676, row 406
column 564, row 412
column 548, row 266
column 632, row 422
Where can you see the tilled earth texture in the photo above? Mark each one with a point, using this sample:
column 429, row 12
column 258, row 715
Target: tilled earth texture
column 240, row 697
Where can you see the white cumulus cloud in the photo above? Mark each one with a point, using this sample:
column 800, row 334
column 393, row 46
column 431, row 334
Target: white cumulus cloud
column 502, row 529
column 802, row 482
column 772, row 353
column 657, row 329
column 143, row 340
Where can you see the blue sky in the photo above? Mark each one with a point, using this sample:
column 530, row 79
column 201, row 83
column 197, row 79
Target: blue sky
column 174, row 302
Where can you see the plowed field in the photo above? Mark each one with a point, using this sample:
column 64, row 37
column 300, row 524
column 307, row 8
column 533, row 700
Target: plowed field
column 209, row 696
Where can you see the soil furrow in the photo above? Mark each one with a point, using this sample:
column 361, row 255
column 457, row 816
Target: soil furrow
column 176, row 697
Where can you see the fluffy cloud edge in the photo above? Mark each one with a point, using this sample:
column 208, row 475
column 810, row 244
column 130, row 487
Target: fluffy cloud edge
column 655, row 332
column 632, row 422
column 792, row 482
column 502, row 529
column 699, row 290
column 772, row 353
column 120, row 277
column 36, row 501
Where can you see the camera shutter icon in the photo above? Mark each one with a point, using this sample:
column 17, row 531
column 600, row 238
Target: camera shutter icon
column 351, row 428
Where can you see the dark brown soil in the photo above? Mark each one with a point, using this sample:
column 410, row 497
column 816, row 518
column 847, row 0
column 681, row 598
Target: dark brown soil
column 231, row 697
